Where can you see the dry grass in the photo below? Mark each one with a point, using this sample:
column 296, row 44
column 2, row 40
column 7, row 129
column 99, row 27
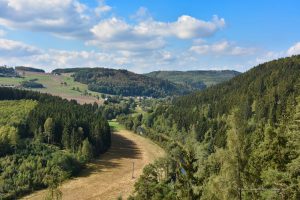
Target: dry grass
column 110, row 176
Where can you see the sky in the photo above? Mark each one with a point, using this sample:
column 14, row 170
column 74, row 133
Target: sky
column 148, row 35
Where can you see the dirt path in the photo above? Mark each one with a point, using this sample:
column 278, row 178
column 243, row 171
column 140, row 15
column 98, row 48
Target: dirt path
column 111, row 175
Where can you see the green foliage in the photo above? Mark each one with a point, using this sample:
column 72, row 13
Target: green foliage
column 86, row 150
column 73, row 133
column 114, row 106
column 34, row 166
column 14, row 113
column 7, row 72
column 123, row 82
column 236, row 140
column 13, row 116
column 31, row 84
column 49, row 129
column 29, row 69
column 195, row 79
column 153, row 183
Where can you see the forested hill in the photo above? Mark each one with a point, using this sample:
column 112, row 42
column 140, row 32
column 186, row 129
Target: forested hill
column 197, row 79
column 29, row 69
column 123, row 82
column 236, row 140
column 45, row 140
column 264, row 92
column 7, row 72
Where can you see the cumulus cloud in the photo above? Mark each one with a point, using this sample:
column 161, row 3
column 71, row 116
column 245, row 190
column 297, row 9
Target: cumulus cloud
column 220, row 48
column 14, row 53
column 11, row 48
column 150, row 34
column 117, row 34
column 66, row 18
column 294, row 50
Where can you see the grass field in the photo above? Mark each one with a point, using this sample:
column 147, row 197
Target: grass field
column 52, row 84
column 115, row 126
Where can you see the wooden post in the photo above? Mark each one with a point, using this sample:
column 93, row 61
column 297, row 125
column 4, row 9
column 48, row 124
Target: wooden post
column 132, row 170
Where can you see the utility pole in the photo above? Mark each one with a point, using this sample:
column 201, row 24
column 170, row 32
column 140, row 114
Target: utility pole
column 132, row 170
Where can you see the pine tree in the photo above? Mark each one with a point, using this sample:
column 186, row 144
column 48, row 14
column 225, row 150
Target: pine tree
column 229, row 182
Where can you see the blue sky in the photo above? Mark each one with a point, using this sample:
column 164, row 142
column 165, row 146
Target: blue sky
column 148, row 35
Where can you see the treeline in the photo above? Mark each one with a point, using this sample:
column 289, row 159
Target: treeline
column 123, row 82
column 67, row 120
column 236, row 140
column 114, row 106
column 31, row 84
column 46, row 143
column 29, row 69
column 195, row 80
column 7, row 72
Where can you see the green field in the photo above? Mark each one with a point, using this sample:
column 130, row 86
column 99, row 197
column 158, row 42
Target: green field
column 115, row 126
column 53, row 85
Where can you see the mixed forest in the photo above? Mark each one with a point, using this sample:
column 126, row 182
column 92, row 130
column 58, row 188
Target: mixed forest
column 236, row 140
column 123, row 82
column 45, row 140
column 195, row 80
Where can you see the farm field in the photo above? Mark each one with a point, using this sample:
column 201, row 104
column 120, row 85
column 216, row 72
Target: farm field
column 54, row 85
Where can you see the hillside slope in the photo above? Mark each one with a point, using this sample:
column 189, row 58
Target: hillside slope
column 123, row 82
column 59, row 85
column 45, row 140
column 236, row 140
column 195, row 79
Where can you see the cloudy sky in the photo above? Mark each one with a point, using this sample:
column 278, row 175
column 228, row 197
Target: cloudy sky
column 148, row 35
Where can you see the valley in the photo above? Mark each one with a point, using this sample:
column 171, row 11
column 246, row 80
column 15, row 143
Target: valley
column 149, row 100
column 110, row 176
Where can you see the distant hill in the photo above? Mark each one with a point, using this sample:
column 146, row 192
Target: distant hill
column 123, row 82
column 195, row 79
column 7, row 72
column 29, row 69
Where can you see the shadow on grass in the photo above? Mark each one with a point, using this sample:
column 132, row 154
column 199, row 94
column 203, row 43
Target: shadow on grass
column 121, row 148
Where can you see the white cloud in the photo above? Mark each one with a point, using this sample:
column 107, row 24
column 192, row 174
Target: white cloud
column 2, row 33
column 186, row 27
column 11, row 48
column 102, row 8
column 116, row 33
column 142, row 14
column 272, row 55
column 66, row 18
column 294, row 50
column 221, row 48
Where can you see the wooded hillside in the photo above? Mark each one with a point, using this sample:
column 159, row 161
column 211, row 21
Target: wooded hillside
column 123, row 82
column 45, row 139
column 197, row 79
column 236, row 140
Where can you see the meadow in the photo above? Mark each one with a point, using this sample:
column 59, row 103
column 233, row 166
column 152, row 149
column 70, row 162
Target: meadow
column 60, row 85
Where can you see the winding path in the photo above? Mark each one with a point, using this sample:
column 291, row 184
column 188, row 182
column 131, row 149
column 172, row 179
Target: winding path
column 110, row 176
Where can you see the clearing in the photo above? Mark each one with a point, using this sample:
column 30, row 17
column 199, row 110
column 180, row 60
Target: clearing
column 54, row 85
column 110, row 176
